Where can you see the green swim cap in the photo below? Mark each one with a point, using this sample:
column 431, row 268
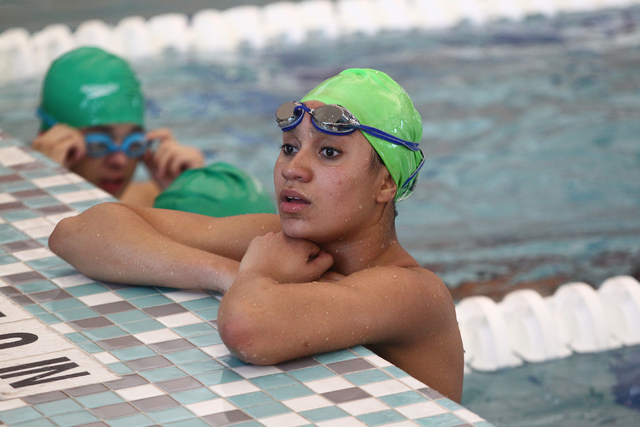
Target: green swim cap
column 90, row 87
column 217, row 190
column 376, row 100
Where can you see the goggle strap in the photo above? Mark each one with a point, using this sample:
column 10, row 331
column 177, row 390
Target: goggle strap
column 46, row 118
column 389, row 138
column 413, row 175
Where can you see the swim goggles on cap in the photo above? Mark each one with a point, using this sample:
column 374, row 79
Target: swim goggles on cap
column 332, row 119
column 100, row 144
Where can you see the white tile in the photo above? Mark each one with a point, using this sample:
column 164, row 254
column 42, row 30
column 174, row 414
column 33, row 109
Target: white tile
column 181, row 296
column 45, row 340
column 422, row 409
column 254, row 371
column 32, row 254
column 177, row 320
column 55, row 219
column 160, row 335
column 100, row 298
column 328, row 384
column 26, row 224
column 342, row 422
column 15, row 268
column 378, row 361
column 209, row 407
column 63, row 328
column 6, row 198
column 385, row 388
column 218, row 350
column 307, row 403
column 468, row 416
column 76, row 196
column 402, row 424
column 11, row 156
column 139, row 392
column 363, row 406
column 106, row 357
column 39, row 232
column 285, row 420
column 73, row 178
column 234, row 388
column 100, row 194
column 75, row 280
column 51, row 181
column 413, row 383
column 6, row 405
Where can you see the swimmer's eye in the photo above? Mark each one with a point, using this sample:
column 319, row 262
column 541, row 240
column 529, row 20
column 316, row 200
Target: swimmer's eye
column 329, row 152
column 287, row 149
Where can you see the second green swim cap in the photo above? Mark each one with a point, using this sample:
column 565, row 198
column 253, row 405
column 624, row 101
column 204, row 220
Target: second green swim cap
column 217, row 190
column 90, row 87
column 376, row 100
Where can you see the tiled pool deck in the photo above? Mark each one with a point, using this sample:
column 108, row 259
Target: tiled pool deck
column 155, row 355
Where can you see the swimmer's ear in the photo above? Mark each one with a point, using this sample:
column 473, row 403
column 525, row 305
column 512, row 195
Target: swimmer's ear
column 387, row 191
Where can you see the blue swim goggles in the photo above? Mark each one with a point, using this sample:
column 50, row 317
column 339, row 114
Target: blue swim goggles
column 333, row 120
column 100, row 144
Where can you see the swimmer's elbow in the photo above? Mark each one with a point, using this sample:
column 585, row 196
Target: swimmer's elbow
column 246, row 340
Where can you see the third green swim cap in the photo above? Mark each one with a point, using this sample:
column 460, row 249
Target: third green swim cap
column 90, row 87
column 376, row 100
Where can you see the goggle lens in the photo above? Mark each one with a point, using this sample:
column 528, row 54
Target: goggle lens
column 102, row 144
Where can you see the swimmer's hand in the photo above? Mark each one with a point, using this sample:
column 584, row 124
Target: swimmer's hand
column 284, row 259
column 171, row 158
column 62, row 144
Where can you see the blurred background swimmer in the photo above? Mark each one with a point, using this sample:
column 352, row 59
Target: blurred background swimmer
column 92, row 112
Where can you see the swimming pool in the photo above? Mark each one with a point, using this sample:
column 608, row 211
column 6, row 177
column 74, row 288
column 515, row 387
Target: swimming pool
column 532, row 175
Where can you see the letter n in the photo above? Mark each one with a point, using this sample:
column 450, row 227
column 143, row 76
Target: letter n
column 43, row 369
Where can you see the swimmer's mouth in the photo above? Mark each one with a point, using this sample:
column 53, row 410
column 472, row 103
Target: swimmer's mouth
column 291, row 201
column 111, row 186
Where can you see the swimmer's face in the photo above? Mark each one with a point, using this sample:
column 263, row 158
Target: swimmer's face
column 113, row 172
column 326, row 187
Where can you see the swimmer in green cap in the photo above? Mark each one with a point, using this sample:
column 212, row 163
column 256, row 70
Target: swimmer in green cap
column 92, row 113
column 325, row 274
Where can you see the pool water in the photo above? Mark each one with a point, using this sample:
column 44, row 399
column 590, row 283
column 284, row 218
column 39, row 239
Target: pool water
column 532, row 176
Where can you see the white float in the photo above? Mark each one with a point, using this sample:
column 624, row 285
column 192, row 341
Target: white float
column 620, row 298
column 94, row 33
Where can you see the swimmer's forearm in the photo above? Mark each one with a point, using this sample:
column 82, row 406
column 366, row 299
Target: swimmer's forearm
column 111, row 242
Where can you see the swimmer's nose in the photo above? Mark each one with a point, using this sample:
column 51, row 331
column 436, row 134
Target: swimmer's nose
column 117, row 159
column 297, row 168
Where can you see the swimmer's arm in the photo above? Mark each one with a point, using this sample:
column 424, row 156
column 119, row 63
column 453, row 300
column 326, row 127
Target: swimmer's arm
column 127, row 244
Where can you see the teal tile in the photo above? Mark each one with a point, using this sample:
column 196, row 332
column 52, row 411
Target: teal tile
column 206, row 340
column 195, row 329
column 74, row 419
column 168, row 415
column 44, row 241
column 62, row 189
column 163, row 374
column 42, row 263
column 142, row 325
column 203, row 366
column 101, row 399
column 19, row 415
column 84, row 205
column 86, row 289
column 39, row 286
column 267, row 382
column 290, row 392
column 17, row 215
column 268, row 410
column 35, row 309
column 55, row 272
column 9, row 234
column 217, row 377
column 8, row 259
column 136, row 292
column 58, row 407
column 193, row 422
column 37, row 173
column 40, row 202
column 362, row 351
column 187, row 356
column 90, row 347
column 449, row 404
column 63, row 305
column 150, row 301
column 128, row 316
column 404, row 398
column 134, row 353
column 368, row 377
column 382, row 417
column 11, row 187
column 311, row 374
column 250, row 399
column 42, row 422
column 77, row 314
column 100, row 334
column 335, row 356
column 324, row 414
column 194, row 396
column 120, row 368
column 202, row 303
column 49, row 319
column 442, row 420
column 208, row 313
column 76, row 337
column 396, row 372
column 232, row 361
column 138, row 420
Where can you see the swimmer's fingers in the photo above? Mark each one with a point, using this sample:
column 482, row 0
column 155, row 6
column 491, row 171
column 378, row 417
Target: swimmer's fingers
column 63, row 144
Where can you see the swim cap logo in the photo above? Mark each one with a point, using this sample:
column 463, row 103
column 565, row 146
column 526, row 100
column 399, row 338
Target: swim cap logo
column 98, row 91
